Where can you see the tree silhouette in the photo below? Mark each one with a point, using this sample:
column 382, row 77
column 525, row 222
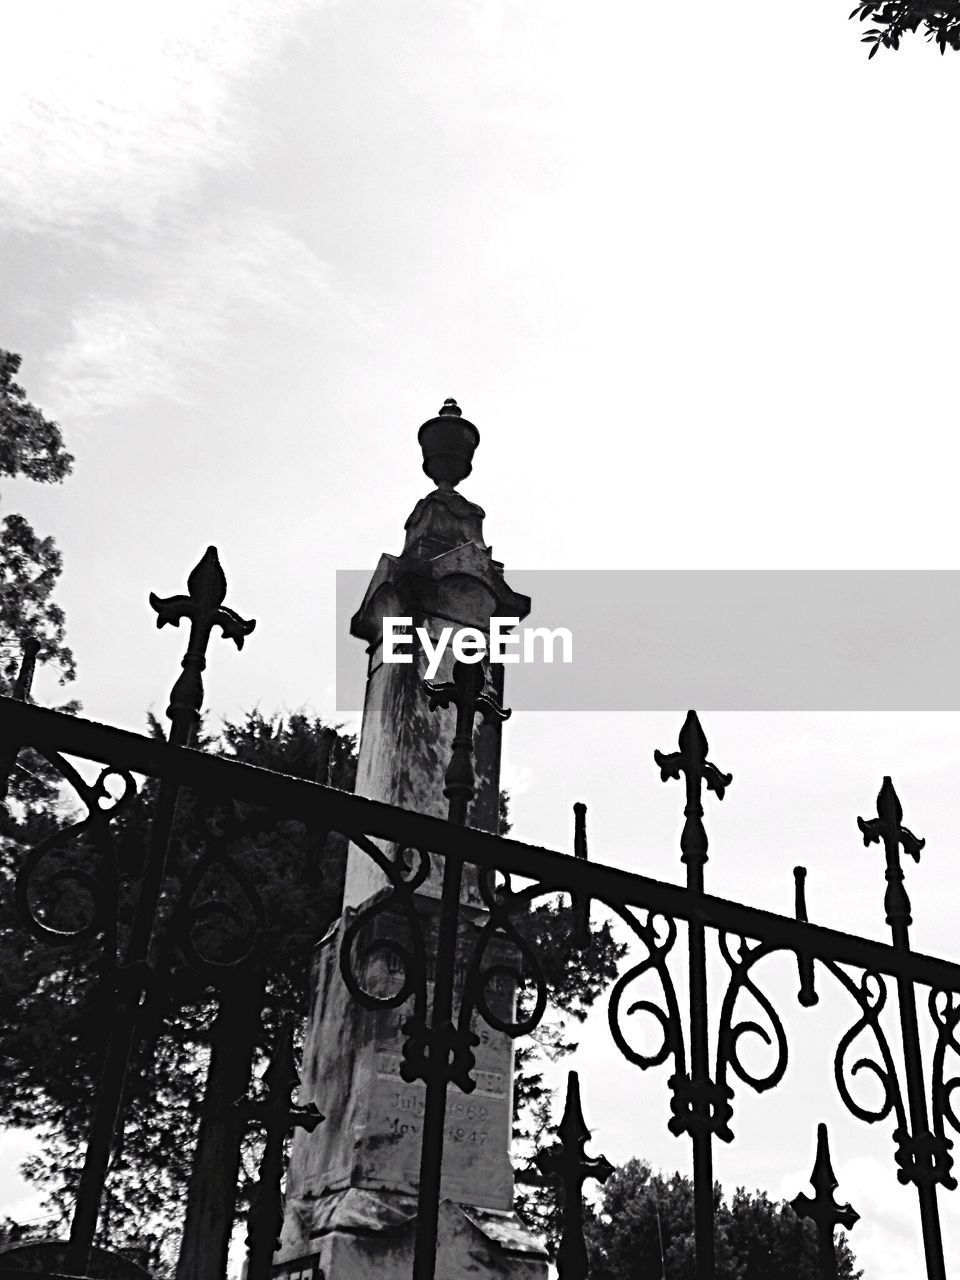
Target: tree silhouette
column 894, row 19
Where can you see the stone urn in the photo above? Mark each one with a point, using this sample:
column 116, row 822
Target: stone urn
column 448, row 443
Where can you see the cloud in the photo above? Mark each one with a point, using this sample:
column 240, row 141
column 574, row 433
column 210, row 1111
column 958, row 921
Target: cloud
column 886, row 1240
column 113, row 110
column 183, row 315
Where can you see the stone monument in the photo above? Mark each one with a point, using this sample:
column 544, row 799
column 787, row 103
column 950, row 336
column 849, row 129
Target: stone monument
column 351, row 1199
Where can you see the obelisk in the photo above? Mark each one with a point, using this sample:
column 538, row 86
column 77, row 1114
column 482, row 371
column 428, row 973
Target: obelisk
column 351, row 1196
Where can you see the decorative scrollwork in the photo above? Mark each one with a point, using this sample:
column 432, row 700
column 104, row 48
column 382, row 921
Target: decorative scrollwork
column 730, row 1033
column 945, row 1011
column 47, row 882
column 404, row 877
column 516, row 963
column 870, row 993
column 238, row 930
column 658, row 933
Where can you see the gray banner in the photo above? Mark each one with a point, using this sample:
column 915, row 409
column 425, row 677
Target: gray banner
column 734, row 640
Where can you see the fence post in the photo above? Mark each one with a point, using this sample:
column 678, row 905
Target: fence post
column 923, row 1158
column 203, row 606
column 697, row 1102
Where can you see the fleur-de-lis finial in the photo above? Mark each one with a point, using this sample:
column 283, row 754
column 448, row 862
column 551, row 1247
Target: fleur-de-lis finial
column 822, row 1208
column 691, row 760
column 466, row 691
column 887, row 829
column 204, row 607
column 568, row 1163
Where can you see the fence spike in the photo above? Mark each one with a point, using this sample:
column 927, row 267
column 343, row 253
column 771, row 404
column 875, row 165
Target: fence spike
column 568, row 1163
column 278, row 1115
column 825, row 1212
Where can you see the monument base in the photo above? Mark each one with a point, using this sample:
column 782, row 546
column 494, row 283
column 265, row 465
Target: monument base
column 364, row 1235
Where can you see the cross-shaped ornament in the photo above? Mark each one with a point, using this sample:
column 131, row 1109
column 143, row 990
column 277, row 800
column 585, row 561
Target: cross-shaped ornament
column 691, row 760
column 887, row 828
column 467, row 692
column 204, row 607
column 568, row 1163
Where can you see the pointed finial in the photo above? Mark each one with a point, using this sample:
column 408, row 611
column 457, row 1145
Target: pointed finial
column 448, row 442
column 204, row 608
column 691, row 761
column 823, row 1209
column 467, row 692
column 887, row 825
column 887, row 829
column 567, row 1163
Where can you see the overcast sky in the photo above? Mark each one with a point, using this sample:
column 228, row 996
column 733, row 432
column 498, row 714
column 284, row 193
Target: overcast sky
column 690, row 268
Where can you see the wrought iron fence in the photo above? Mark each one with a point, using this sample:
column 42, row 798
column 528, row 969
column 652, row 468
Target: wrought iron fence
column 440, row 1029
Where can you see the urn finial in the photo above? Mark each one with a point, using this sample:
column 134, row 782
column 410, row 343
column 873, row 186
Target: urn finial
column 448, row 442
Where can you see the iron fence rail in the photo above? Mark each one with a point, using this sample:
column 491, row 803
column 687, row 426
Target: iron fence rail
column 328, row 809
column 438, row 1047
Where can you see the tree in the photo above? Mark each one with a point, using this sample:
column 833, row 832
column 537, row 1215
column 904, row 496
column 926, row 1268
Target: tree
column 643, row 1230
column 939, row 19
column 31, row 446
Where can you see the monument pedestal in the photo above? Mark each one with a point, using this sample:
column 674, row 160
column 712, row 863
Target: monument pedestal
column 370, row 1236
column 353, row 1211
column 352, row 1184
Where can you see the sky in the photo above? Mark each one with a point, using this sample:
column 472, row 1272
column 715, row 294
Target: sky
column 689, row 269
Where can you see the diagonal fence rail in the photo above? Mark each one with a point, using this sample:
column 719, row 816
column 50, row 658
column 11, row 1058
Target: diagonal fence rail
column 702, row 1096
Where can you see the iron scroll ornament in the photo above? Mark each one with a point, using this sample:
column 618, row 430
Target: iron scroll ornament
column 100, row 884
column 403, row 882
column 870, row 994
column 944, row 1009
column 405, row 873
column 730, row 1034
column 659, row 946
column 218, row 829
column 502, row 902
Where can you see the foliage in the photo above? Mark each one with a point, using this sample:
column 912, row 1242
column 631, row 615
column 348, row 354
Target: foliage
column 644, row 1227
column 31, row 447
column 897, row 18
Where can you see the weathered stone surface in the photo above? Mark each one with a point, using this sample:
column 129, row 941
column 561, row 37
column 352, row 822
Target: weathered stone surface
column 471, row 1246
column 371, row 1137
column 352, row 1184
column 405, row 747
